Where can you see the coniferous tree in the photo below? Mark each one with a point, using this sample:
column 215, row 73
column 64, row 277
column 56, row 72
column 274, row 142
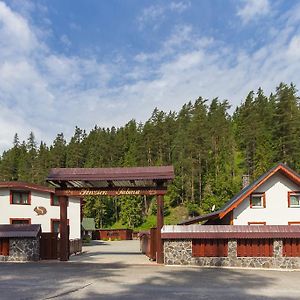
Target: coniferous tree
column 210, row 150
column 287, row 124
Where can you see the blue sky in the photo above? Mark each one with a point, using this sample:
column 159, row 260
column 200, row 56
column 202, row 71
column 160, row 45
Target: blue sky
column 65, row 63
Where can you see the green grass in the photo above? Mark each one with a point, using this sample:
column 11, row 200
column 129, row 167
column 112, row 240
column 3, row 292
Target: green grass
column 118, row 225
column 175, row 216
column 149, row 223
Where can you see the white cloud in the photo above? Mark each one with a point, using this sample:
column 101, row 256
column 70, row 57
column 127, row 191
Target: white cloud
column 155, row 14
column 293, row 51
column 49, row 93
column 253, row 9
column 75, row 26
column 151, row 14
column 65, row 41
column 16, row 36
column 180, row 6
column 39, row 89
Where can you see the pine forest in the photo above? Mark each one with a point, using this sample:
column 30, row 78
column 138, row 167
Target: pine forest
column 210, row 149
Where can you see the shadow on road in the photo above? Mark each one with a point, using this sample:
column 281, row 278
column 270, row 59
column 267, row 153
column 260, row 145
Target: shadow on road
column 56, row 280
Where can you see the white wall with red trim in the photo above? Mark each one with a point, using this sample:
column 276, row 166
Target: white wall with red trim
column 277, row 211
column 26, row 211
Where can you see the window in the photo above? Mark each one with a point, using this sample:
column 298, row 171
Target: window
column 258, row 200
column 55, row 225
column 54, row 200
column 256, row 223
column 294, row 199
column 210, row 248
column 20, row 197
column 20, row 221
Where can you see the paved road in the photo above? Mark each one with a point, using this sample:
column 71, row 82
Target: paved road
column 113, row 277
column 124, row 252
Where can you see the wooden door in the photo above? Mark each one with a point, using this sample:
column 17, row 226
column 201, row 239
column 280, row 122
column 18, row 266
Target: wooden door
column 49, row 245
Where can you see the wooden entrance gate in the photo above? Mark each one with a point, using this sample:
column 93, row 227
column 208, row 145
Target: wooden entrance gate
column 49, row 245
column 134, row 181
column 148, row 243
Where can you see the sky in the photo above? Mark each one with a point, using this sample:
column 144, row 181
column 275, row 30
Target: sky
column 66, row 63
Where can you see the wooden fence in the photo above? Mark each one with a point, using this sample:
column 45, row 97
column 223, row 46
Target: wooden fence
column 148, row 243
column 4, row 246
column 291, row 247
column 254, row 247
column 75, row 246
column 49, row 246
column 113, row 234
column 245, row 247
column 210, row 247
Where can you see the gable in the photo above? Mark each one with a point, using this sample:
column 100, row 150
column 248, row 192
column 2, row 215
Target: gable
column 275, row 195
column 265, row 179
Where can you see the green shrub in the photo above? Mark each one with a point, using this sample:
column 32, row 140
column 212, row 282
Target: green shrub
column 86, row 239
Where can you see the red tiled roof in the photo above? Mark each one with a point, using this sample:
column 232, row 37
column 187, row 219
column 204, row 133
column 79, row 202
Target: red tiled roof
column 26, row 186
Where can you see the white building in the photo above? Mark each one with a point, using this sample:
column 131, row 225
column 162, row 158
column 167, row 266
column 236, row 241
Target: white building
column 273, row 199
column 27, row 203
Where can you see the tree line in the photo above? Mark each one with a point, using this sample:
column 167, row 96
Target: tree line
column 209, row 148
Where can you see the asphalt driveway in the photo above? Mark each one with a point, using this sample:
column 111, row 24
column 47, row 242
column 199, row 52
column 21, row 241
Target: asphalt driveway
column 112, row 277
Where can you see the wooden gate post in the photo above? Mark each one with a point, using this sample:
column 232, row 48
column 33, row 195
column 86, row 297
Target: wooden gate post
column 63, row 229
column 159, row 224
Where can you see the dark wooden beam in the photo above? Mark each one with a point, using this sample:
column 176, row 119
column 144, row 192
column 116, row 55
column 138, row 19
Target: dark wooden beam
column 110, row 191
column 159, row 224
column 63, row 229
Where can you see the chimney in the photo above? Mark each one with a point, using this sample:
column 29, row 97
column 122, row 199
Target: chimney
column 246, row 180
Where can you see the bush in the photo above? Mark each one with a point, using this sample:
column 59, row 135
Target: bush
column 86, row 239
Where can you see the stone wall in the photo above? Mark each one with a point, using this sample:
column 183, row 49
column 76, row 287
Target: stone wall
column 179, row 252
column 23, row 249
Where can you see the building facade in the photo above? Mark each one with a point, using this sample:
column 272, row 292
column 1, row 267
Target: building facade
column 275, row 202
column 273, row 199
column 24, row 203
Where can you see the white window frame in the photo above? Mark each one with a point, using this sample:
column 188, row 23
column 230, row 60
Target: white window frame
column 294, row 194
column 262, row 198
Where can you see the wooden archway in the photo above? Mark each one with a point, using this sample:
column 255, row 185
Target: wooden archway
column 135, row 181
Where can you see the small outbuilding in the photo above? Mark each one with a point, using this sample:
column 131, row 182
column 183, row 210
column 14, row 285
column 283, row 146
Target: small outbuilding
column 87, row 227
column 20, row 242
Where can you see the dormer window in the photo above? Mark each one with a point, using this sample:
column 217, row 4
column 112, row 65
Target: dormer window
column 294, row 199
column 258, row 200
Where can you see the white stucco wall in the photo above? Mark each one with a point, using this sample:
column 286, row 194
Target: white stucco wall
column 276, row 211
column 8, row 211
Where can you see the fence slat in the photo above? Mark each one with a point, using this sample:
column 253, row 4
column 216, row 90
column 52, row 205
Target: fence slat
column 210, row 248
column 291, row 247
